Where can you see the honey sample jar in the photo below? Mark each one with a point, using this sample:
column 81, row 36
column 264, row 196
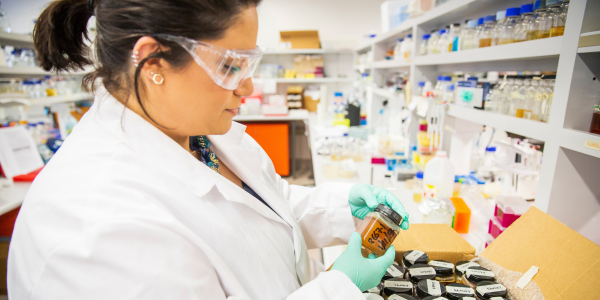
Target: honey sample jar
column 412, row 257
column 461, row 267
column 397, row 286
column 379, row 229
column 420, row 272
column 394, row 271
column 488, row 290
column 428, row 287
column 444, row 271
column 474, row 275
column 458, row 291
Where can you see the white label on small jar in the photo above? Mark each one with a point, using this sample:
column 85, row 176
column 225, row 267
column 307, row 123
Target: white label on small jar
column 469, row 298
column 393, row 270
column 433, row 288
column 396, row 297
column 374, row 290
column 421, row 271
column 479, row 273
column 442, row 264
column 460, row 290
column 490, row 289
column 464, row 267
column 413, row 256
column 398, row 284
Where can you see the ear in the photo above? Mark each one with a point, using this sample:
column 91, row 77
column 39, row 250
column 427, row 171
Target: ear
column 144, row 47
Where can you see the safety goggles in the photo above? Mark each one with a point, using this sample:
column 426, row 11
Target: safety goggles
column 227, row 68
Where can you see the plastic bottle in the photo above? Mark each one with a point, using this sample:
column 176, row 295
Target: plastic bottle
column 486, row 35
column 438, row 177
column 546, row 104
column 398, row 49
column 407, row 47
column 552, row 12
column 558, row 25
column 418, row 187
column 443, row 42
column 449, row 93
column 508, row 29
column 500, row 19
column 491, row 101
column 539, row 13
column 432, row 42
column 514, row 96
column 531, row 101
column 454, row 38
column 520, row 97
column 469, row 38
column 423, row 47
column 522, row 26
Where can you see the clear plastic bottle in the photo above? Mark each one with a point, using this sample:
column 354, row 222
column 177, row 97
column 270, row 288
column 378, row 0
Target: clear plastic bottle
column 539, row 13
column 4, row 24
column 448, row 93
column 514, row 95
column 418, row 187
column 520, row 96
column 504, row 98
column 443, row 43
column 530, row 101
column 423, row 47
column 546, row 102
column 406, row 47
column 487, row 33
column 432, row 42
column 558, row 25
column 508, row 28
column 398, row 49
column 500, row 19
column 454, row 38
column 552, row 12
column 522, row 26
column 491, row 101
column 469, row 37
column 536, row 112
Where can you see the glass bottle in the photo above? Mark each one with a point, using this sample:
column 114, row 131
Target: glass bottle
column 546, row 103
column 491, row 102
column 552, row 12
column 398, row 49
column 468, row 39
column 423, row 46
column 432, row 42
column 530, row 101
column 522, row 26
column 514, row 96
column 520, row 94
column 443, row 44
column 539, row 13
column 418, row 187
column 454, row 38
column 508, row 29
column 558, row 23
column 379, row 229
column 500, row 19
column 485, row 37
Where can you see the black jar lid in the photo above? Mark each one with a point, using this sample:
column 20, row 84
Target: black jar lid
column 430, row 287
column 486, row 290
column 435, row 298
column 462, row 266
column 401, row 297
column 468, row 298
column 412, row 257
column 395, row 286
column 390, row 213
column 376, row 290
column 456, row 291
column 442, row 268
column 420, row 272
column 394, row 271
column 477, row 274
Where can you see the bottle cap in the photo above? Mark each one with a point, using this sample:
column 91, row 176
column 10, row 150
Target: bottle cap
column 448, row 78
column 442, row 268
column 390, row 213
column 480, row 21
column 489, row 289
column 490, row 18
column 421, row 83
column 513, row 11
column 477, row 274
column 456, row 24
column 429, row 287
column 418, row 272
column 536, row 5
column 395, row 286
column 490, row 149
column 442, row 31
column 400, row 40
column 526, row 8
column 376, row 290
column 419, row 174
column 426, row 36
column 501, row 15
column 423, row 127
column 394, row 271
column 440, row 78
column 456, row 291
column 409, row 36
column 462, row 266
column 415, row 257
column 472, row 24
column 472, row 78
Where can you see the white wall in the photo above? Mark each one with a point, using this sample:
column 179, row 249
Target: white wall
column 339, row 22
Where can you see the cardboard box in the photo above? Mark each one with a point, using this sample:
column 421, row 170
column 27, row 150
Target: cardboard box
column 439, row 241
column 568, row 261
column 308, row 39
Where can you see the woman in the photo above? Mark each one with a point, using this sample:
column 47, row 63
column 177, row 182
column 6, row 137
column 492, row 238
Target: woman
column 157, row 194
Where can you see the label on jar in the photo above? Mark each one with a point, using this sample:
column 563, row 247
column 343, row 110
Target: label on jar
column 460, row 290
column 462, row 268
column 481, row 273
column 469, row 298
column 433, row 288
column 374, row 290
column 394, row 271
column 398, row 284
column 442, row 264
column 413, row 256
column 490, row 289
column 421, row 271
column 396, row 297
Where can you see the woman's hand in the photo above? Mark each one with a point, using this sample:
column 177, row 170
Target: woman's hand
column 364, row 198
column 366, row 273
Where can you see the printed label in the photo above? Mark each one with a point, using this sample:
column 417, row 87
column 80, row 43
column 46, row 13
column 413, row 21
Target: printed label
column 441, row 264
column 430, row 191
column 413, row 256
column 398, row 284
column 479, row 273
column 460, row 290
column 394, row 271
column 592, row 145
column 464, row 267
column 422, row 271
column 374, row 290
column 433, row 288
column 468, row 298
column 490, row 289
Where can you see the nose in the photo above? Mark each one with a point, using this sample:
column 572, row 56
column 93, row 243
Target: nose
column 246, row 88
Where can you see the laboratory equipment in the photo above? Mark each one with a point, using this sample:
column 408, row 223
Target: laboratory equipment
column 522, row 26
column 406, row 47
column 438, row 177
column 454, row 38
column 461, row 268
column 539, row 13
column 490, row 289
column 469, row 36
column 418, row 187
column 508, row 27
column 560, row 19
column 397, row 286
column 443, row 43
column 508, row 209
column 398, row 49
column 432, row 42
column 530, row 101
column 394, row 271
column 423, row 46
column 379, row 229
column 500, row 19
column 462, row 215
column 486, row 34
column 474, row 275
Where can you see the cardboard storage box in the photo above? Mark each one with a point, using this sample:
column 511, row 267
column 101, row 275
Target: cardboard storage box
column 308, row 39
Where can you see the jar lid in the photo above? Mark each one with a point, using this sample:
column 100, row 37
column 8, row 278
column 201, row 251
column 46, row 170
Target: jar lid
column 401, row 297
column 390, row 213
column 412, row 257
column 435, row 298
column 462, row 266
column 376, row 290
column 430, row 287
column 420, row 272
column 487, row 290
column 442, row 268
column 394, row 271
column 477, row 274
column 397, row 286
column 456, row 291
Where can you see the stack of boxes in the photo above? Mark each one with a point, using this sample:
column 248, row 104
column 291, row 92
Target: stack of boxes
column 508, row 210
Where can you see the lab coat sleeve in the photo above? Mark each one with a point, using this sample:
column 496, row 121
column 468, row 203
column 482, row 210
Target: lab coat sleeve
column 127, row 259
column 332, row 285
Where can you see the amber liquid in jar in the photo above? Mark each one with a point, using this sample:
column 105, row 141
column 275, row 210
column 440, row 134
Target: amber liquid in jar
column 377, row 233
column 520, row 112
column 533, row 35
column 595, row 126
column 542, row 34
column 485, row 43
column 557, row 31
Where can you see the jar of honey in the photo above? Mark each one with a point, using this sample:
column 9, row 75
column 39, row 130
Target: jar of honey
column 379, row 229
column 444, row 271
column 474, row 275
column 461, row 267
column 394, row 271
column 487, row 290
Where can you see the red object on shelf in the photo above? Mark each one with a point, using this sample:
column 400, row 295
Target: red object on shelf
column 28, row 177
column 7, row 222
column 378, row 160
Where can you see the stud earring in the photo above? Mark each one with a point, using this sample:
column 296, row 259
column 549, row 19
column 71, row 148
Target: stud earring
column 157, row 78
column 136, row 58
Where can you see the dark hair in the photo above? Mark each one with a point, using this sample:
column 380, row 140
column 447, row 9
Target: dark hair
column 60, row 34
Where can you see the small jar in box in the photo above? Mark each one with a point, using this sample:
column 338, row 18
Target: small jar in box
column 474, row 275
column 509, row 209
column 444, row 271
column 420, row 272
column 394, row 271
column 461, row 267
column 488, row 290
column 397, row 286
column 412, row 257
column 457, row 291
column 428, row 287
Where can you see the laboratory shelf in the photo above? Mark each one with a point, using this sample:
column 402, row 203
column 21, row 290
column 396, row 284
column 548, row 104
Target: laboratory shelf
column 61, row 99
column 315, row 80
column 524, row 127
column 386, row 93
column 580, row 141
column 537, row 49
column 390, row 64
column 16, row 40
column 308, row 51
column 293, row 115
column 591, row 49
column 365, row 46
column 363, row 67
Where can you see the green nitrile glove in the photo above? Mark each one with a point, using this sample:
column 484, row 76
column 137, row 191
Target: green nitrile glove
column 366, row 273
column 364, row 198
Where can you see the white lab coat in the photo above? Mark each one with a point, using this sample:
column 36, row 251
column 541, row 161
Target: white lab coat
column 123, row 212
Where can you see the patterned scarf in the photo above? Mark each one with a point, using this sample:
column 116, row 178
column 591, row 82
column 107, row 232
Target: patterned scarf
column 201, row 145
